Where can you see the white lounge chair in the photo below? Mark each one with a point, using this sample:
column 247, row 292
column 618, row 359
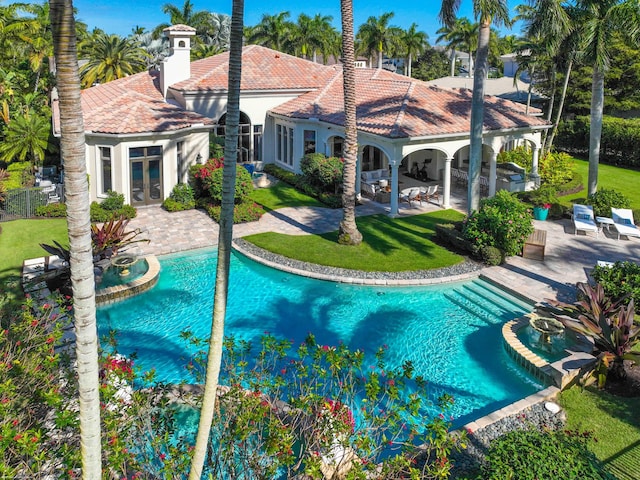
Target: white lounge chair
column 623, row 222
column 583, row 219
column 410, row 195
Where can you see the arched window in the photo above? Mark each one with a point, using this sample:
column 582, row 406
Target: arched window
column 244, row 135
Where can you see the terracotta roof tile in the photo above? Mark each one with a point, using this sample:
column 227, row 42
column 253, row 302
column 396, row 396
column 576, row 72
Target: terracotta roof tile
column 395, row 106
column 134, row 105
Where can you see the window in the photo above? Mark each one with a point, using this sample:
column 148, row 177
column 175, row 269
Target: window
column 309, row 141
column 257, row 143
column 284, row 144
column 105, row 167
column 180, row 161
column 337, row 147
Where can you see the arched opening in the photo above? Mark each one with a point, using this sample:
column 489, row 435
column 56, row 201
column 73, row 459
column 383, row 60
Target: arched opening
column 244, row 135
column 373, row 158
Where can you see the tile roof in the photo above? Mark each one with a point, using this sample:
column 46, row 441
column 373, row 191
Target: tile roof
column 262, row 69
column 134, row 104
column 396, row 106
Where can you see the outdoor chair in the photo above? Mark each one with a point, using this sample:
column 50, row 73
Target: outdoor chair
column 431, row 192
column 410, row 195
column 583, row 219
column 623, row 222
column 368, row 190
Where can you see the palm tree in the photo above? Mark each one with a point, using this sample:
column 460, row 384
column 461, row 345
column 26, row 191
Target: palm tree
column 413, row 43
column 348, row 231
column 487, row 11
column 78, row 223
column 26, row 137
column 328, row 37
column 110, row 57
column 273, row 31
column 376, row 35
column 185, row 15
column 36, row 33
column 309, row 33
column 214, row 357
column 462, row 35
column 598, row 22
column 157, row 49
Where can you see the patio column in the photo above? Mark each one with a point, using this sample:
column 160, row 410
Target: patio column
column 394, row 188
column 493, row 177
column 534, row 166
column 446, row 183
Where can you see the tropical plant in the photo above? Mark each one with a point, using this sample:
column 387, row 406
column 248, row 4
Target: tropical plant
column 430, row 65
column 376, row 36
column 73, row 148
column 543, row 196
column 322, row 171
column 348, row 233
column 273, row 31
column 606, row 198
column 309, row 34
column 185, row 15
column 598, row 22
column 502, row 221
column 27, row 137
column 557, row 169
column 181, row 198
column 111, row 237
column 211, row 176
column 412, row 43
column 609, row 323
column 620, row 280
column 488, row 12
column 4, row 175
column 110, row 57
column 463, row 35
column 214, row 355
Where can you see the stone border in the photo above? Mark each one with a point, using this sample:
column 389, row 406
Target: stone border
column 465, row 271
column 116, row 293
column 561, row 373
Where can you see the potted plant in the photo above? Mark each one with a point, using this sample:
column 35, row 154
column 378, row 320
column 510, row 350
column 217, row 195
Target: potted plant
column 542, row 199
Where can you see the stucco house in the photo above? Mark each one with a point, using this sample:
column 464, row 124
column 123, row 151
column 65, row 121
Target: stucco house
column 145, row 130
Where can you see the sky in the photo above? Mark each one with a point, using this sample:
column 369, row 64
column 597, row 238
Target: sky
column 121, row 16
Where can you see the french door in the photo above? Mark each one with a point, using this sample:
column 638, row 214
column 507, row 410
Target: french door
column 146, row 175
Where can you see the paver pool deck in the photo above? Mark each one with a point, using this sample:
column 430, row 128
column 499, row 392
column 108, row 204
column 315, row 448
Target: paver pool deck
column 568, row 257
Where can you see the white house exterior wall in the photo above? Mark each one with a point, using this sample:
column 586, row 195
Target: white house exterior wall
column 195, row 142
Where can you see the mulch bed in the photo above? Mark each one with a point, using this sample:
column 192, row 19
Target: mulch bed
column 628, row 388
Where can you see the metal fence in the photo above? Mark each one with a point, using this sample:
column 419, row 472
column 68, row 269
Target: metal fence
column 23, row 202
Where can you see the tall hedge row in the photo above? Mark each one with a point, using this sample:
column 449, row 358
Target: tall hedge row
column 620, row 141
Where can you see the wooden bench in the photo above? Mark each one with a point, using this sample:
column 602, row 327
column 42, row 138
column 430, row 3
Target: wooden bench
column 534, row 245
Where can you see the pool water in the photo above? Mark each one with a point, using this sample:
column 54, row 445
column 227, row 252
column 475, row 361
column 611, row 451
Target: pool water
column 451, row 332
column 112, row 276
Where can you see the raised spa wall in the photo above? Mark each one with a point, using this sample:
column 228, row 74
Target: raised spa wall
column 560, row 373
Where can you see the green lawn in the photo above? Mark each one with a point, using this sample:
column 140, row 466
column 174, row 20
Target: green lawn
column 283, row 195
column 390, row 244
column 623, row 180
column 615, row 424
column 20, row 240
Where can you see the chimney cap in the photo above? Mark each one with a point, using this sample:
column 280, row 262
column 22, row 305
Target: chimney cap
column 180, row 29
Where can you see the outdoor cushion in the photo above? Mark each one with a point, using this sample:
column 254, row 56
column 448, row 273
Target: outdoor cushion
column 584, row 216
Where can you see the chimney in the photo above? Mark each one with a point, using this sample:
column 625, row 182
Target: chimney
column 177, row 66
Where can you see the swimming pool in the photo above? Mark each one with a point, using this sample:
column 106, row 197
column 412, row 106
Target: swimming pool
column 451, row 332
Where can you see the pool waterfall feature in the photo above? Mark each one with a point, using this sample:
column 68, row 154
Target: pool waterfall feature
column 122, row 283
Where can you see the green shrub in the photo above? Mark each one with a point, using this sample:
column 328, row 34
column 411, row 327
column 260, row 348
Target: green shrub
column 181, row 198
column 451, row 234
column 100, row 215
column 209, row 178
column 558, row 211
column 520, row 156
column 556, row 168
column 114, row 201
column 53, row 210
column 574, row 185
column 502, row 221
column 242, row 212
column 281, row 174
column 618, row 280
column 544, row 196
column 20, row 174
column 536, row 455
column 322, row 171
column 491, row 255
column 604, row 199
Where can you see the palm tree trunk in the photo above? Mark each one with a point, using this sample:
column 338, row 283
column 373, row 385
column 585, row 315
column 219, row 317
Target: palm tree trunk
column 79, row 225
column 379, row 58
column 349, row 233
column 453, row 62
column 470, row 66
column 554, row 130
column 214, row 357
column 409, row 66
column 529, row 90
column 477, row 115
column 595, row 131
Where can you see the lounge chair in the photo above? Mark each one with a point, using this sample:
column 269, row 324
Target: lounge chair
column 368, row 190
column 431, row 192
column 410, row 195
column 623, row 222
column 583, row 219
